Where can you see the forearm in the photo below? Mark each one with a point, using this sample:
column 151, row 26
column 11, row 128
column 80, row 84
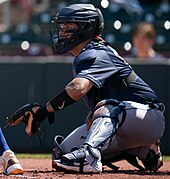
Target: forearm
column 59, row 102
column 73, row 92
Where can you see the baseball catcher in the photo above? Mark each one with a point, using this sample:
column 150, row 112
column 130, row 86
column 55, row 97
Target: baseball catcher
column 126, row 118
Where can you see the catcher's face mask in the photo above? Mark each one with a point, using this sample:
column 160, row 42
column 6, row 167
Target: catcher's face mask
column 64, row 37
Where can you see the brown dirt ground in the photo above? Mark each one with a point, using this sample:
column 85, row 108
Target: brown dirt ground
column 41, row 169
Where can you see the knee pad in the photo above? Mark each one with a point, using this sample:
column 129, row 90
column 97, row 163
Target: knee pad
column 110, row 108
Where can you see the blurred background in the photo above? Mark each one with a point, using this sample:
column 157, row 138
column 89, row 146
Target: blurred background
column 30, row 72
column 25, row 24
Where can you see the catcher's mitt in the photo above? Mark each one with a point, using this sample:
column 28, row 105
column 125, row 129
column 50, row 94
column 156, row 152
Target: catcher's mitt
column 25, row 114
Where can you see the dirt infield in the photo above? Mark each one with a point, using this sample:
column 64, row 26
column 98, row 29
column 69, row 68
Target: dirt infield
column 41, row 169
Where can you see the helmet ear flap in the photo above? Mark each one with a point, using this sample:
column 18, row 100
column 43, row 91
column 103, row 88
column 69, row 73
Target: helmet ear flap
column 100, row 25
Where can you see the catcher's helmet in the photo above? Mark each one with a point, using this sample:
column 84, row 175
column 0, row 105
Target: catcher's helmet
column 88, row 19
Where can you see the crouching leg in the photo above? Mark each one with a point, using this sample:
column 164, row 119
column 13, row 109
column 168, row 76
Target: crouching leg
column 87, row 159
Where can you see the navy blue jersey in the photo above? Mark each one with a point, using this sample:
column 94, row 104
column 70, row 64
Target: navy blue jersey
column 105, row 68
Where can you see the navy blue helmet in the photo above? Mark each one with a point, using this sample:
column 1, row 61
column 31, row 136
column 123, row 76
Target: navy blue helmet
column 89, row 21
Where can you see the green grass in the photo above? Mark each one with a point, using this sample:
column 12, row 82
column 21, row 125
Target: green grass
column 23, row 155
column 38, row 156
column 166, row 158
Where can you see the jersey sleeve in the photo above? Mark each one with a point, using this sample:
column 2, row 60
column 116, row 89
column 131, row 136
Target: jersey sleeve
column 95, row 66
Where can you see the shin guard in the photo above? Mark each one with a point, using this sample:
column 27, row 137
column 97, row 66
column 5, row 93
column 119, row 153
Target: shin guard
column 106, row 121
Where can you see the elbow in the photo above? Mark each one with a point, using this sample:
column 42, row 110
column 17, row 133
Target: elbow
column 77, row 88
column 80, row 93
column 77, row 94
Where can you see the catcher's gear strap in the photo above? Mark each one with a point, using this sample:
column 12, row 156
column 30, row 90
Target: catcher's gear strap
column 132, row 160
column 61, row 101
column 115, row 157
column 158, row 106
column 118, row 108
column 108, row 102
column 125, row 82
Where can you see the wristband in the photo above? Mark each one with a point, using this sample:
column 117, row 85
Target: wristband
column 61, row 101
column 42, row 113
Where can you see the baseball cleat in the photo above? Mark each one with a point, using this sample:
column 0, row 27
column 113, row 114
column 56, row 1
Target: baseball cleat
column 13, row 167
column 56, row 167
column 72, row 166
column 11, row 164
column 75, row 162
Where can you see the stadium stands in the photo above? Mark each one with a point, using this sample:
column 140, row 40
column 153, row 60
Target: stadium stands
column 119, row 21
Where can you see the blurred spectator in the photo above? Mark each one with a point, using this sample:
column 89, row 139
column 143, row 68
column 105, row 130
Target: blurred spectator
column 143, row 39
column 130, row 5
column 37, row 49
column 151, row 1
column 26, row 6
